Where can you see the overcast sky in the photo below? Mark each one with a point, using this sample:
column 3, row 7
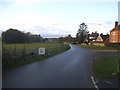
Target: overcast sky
column 55, row 18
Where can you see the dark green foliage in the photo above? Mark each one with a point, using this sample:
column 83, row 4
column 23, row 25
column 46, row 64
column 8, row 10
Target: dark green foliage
column 82, row 33
column 80, row 38
column 12, row 36
column 67, row 39
column 107, row 44
column 15, row 36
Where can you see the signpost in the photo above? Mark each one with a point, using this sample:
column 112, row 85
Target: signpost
column 41, row 51
column 119, row 43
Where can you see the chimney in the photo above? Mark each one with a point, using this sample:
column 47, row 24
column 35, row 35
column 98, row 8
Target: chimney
column 116, row 23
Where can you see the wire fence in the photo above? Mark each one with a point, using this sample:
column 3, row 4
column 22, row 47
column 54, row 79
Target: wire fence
column 13, row 56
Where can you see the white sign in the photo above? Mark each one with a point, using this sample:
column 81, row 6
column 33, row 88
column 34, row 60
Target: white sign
column 41, row 50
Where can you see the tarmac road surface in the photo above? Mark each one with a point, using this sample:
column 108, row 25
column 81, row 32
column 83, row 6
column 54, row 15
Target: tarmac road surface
column 70, row 69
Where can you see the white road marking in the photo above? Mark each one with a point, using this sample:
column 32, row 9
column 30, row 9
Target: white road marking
column 108, row 82
column 94, row 83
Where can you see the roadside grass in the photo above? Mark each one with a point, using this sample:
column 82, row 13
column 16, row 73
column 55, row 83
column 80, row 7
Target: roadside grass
column 29, row 59
column 107, row 51
column 105, row 67
column 97, row 47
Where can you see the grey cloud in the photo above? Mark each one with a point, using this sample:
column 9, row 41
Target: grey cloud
column 50, row 31
column 95, row 23
column 102, row 23
column 53, row 35
column 108, row 22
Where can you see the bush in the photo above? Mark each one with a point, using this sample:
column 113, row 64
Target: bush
column 107, row 44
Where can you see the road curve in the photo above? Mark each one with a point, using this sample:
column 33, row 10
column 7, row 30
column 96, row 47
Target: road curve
column 70, row 69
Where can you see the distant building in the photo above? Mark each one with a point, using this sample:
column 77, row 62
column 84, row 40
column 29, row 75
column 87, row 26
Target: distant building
column 101, row 40
column 98, row 39
column 93, row 36
column 115, row 34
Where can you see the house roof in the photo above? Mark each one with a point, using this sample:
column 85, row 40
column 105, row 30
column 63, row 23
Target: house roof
column 116, row 28
column 105, row 37
column 93, row 35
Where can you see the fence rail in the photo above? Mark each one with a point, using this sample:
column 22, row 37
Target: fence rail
column 12, row 56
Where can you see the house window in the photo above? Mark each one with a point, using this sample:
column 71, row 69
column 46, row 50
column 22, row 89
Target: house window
column 114, row 33
column 113, row 39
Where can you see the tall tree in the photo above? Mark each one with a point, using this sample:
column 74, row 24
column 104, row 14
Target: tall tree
column 82, row 33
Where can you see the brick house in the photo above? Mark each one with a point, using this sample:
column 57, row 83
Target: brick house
column 115, row 34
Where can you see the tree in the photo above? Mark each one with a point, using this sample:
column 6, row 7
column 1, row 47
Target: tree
column 16, row 36
column 82, row 33
column 13, row 36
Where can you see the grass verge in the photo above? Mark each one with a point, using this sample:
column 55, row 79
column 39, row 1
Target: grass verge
column 97, row 47
column 105, row 67
column 107, row 51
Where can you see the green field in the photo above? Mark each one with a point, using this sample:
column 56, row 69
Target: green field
column 31, row 45
column 97, row 47
column 105, row 67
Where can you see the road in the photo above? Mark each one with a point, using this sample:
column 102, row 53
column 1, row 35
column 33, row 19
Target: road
column 70, row 69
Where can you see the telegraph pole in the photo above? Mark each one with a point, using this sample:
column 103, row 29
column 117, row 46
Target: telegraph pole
column 119, row 44
column 118, row 58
